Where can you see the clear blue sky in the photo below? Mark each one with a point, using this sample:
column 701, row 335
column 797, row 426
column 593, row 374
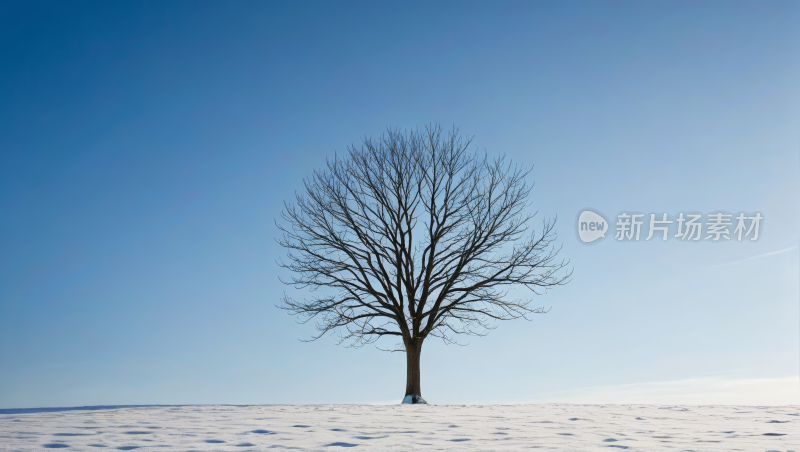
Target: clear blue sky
column 146, row 149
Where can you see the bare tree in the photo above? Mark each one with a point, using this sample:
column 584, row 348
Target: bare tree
column 414, row 236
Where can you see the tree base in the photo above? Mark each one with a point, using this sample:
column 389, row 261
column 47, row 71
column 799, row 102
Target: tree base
column 413, row 398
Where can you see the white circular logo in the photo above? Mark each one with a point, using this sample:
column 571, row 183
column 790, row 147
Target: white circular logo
column 591, row 226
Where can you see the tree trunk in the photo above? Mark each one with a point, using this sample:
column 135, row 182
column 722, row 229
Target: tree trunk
column 413, row 351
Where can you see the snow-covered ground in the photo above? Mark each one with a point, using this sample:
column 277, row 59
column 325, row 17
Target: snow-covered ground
column 401, row 427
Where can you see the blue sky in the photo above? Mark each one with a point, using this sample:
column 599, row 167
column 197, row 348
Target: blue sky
column 146, row 149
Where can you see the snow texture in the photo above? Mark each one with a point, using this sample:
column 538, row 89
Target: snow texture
column 404, row 427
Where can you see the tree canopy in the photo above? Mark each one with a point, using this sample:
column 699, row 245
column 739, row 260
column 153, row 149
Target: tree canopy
column 412, row 235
